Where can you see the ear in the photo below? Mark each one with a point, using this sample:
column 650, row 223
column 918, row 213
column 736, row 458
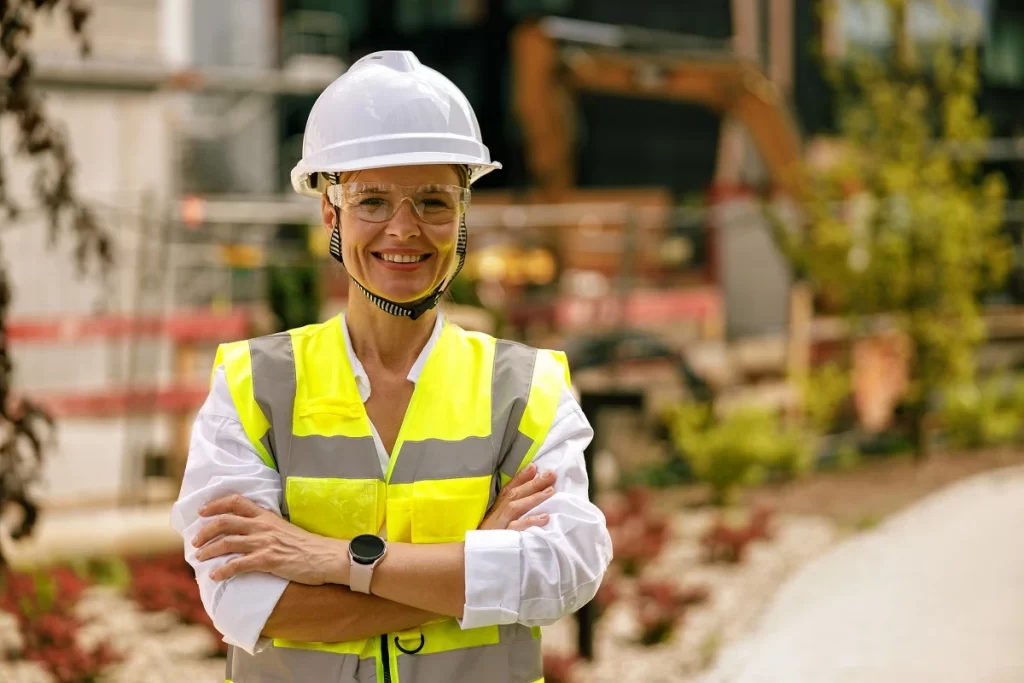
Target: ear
column 327, row 212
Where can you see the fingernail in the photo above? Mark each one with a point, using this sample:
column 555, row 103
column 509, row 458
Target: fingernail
column 202, row 510
column 532, row 468
column 542, row 518
column 549, row 490
column 195, row 542
column 549, row 475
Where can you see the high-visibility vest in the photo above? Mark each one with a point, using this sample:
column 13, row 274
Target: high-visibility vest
column 477, row 416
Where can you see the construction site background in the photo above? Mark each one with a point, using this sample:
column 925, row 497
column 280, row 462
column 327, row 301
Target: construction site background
column 639, row 141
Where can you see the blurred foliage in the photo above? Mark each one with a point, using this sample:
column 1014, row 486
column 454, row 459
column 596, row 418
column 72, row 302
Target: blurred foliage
column 293, row 291
column 738, row 450
column 673, row 471
column 984, row 413
column 24, row 425
column 823, row 391
column 103, row 571
column 293, row 294
column 905, row 222
column 462, row 291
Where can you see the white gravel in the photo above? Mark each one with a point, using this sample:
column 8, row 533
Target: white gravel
column 935, row 595
column 156, row 647
column 738, row 593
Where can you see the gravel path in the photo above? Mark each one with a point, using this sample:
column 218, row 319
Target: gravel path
column 738, row 593
column 934, row 595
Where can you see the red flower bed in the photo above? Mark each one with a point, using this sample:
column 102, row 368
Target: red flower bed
column 43, row 604
column 166, row 583
column 725, row 543
column 559, row 668
column 638, row 533
column 662, row 607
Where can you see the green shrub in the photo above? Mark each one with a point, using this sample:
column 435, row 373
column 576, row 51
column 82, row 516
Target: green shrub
column 823, row 391
column 738, row 450
column 983, row 413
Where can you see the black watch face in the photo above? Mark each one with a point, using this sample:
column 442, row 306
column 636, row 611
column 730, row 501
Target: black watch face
column 366, row 549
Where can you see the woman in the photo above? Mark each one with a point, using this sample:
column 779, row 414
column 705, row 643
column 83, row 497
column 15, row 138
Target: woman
column 387, row 497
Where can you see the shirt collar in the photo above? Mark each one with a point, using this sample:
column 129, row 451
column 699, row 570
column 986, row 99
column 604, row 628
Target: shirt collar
column 363, row 381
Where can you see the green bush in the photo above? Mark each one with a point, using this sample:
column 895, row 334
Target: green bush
column 823, row 391
column 983, row 413
column 738, row 450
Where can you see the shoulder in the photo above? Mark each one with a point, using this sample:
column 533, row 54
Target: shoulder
column 276, row 340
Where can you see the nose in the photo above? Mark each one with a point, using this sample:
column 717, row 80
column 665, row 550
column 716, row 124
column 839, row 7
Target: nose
column 403, row 224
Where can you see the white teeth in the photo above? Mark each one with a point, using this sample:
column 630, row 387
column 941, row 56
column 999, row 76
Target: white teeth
column 402, row 258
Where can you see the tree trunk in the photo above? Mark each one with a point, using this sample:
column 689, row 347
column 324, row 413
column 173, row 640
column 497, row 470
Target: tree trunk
column 920, row 431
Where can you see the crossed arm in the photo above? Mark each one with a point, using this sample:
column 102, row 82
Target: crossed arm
column 317, row 604
column 504, row 574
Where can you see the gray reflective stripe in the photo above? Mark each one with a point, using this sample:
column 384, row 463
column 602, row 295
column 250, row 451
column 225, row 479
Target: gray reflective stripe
column 510, row 390
column 338, row 457
column 273, row 385
column 268, row 442
column 512, row 661
column 437, row 459
column 289, row 665
column 515, row 454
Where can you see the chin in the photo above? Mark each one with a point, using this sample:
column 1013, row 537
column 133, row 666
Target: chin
column 402, row 295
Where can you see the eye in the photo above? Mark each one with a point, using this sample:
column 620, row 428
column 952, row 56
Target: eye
column 372, row 201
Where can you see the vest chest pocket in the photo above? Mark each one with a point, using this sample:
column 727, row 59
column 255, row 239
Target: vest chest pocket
column 337, row 508
column 443, row 510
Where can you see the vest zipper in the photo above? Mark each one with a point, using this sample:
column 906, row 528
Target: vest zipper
column 385, row 657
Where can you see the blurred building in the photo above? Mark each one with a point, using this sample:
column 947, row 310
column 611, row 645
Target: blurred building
column 639, row 210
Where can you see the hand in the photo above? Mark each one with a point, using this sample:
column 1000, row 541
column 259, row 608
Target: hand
column 267, row 543
column 523, row 493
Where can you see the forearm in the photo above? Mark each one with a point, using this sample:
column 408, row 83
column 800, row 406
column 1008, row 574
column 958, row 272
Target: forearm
column 428, row 577
column 330, row 614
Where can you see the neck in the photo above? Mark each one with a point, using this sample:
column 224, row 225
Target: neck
column 392, row 341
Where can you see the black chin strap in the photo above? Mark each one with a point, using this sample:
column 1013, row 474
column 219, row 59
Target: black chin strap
column 412, row 311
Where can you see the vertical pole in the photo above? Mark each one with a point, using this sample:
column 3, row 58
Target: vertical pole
column 585, row 615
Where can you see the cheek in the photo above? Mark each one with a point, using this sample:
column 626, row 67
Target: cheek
column 354, row 239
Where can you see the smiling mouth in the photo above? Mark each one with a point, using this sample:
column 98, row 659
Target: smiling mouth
column 402, row 258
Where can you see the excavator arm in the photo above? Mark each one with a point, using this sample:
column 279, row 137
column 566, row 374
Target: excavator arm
column 549, row 70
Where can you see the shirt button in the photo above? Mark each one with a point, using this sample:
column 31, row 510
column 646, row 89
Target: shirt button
column 572, row 601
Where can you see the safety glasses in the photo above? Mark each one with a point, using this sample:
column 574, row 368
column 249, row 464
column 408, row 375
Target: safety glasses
column 378, row 202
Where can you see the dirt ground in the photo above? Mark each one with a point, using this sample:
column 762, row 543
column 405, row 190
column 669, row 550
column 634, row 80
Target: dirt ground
column 865, row 494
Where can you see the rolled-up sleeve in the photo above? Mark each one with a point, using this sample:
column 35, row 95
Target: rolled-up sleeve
column 540, row 575
column 221, row 461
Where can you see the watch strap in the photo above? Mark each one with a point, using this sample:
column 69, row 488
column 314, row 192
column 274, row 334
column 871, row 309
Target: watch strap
column 360, row 576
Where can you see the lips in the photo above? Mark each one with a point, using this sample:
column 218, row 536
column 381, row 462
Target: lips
column 403, row 263
column 401, row 258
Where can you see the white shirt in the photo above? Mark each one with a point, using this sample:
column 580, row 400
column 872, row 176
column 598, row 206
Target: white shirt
column 532, row 577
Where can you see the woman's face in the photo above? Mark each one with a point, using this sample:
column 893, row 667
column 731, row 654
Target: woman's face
column 402, row 259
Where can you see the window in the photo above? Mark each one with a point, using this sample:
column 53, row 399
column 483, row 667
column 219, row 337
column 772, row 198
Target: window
column 866, row 24
column 1003, row 62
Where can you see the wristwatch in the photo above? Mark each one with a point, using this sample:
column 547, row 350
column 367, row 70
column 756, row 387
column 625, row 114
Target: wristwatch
column 365, row 552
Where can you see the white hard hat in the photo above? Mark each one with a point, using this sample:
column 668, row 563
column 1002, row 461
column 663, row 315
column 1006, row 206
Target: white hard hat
column 388, row 109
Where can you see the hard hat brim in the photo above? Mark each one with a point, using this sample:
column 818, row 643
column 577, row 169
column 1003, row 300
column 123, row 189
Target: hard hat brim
column 301, row 173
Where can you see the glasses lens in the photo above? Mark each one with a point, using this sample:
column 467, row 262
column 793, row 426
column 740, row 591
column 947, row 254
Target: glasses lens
column 377, row 202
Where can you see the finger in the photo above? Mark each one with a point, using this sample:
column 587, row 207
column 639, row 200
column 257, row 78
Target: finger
column 241, row 565
column 535, row 485
column 235, row 504
column 227, row 546
column 522, row 506
column 527, row 522
column 523, row 476
column 226, row 524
